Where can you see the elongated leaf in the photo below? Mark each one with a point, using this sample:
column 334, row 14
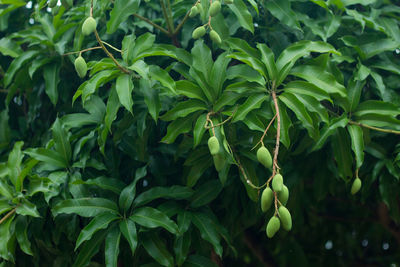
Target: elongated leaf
column 330, row 129
column 113, row 105
column 377, row 107
column 253, row 102
column 218, row 73
column 128, row 193
column 16, row 65
column 177, row 127
column 85, row 207
column 207, row 230
column 298, row 108
column 51, row 78
column 27, row 208
column 357, row 143
column 112, row 184
column 99, row 222
column 199, row 129
column 48, row 156
column 301, row 49
column 163, row 77
column 61, row 142
column 320, row 78
column 121, row 11
column 157, row 249
column 251, row 61
column 153, row 218
column 354, row 93
column 6, row 234
column 173, row 192
column 21, row 228
column 89, row 249
column 268, row 58
column 342, row 151
column 182, row 109
column 14, row 164
column 306, row 88
column 190, row 89
column 244, row 17
column 112, row 247
column 202, row 60
column 206, row 193
column 182, row 247
column 199, row 261
column 124, row 87
column 282, row 10
column 128, row 230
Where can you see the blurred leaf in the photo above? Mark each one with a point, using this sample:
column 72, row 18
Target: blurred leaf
column 85, row 207
column 153, row 218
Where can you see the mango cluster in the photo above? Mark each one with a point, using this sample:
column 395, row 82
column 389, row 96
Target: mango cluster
column 213, row 10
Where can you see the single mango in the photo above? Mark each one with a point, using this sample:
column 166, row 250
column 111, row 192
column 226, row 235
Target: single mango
column 355, row 187
column 273, row 226
column 213, row 145
column 264, row 157
column 277, row 183
column 199, row 32
column 193, row 12
column 89, row 26
column 215, row 8
column 285, row 217
column 80, row 66
column 266, row 199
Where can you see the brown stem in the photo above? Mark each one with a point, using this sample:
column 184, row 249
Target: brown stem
column 4, row 91
column 374, row 128
column 265, row 132
column 170, row 24
column 180, row 25
column 11, row 212
column 278, row 133
column 162, row 29
column 109, row 54
column 216, row 259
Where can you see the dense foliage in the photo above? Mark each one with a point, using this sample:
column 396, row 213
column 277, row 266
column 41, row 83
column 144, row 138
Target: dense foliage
column 104, row 154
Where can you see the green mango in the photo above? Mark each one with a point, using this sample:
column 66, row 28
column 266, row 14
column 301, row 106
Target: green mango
column 283, row 195
column 273, row 226
column 80, row 66
column 89, row 26
column 277, row 183
column 356, row 186
column 267, row 197
column 213, row 145
column 285, row 217
column 215, row 8
column 264, row 157
column 199, row 32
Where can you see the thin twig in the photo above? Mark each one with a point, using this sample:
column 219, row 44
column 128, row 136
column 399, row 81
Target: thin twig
column 374, row 128
column 180, row 25
column 278, row 133
column 112, row 47
column 82, row 51
column 265, row 132
column 11, row 212
column 221, row 123
column 167, row 18
column 162, row 29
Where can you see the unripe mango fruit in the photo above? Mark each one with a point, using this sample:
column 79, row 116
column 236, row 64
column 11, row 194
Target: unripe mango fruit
column 285, row 217
column 355, row 187
column 264, row 157
column 219, row 162
column 213, row 145
column 200, row 7
column 273, row 226
column 277, row 183
column 199, row 32
column 89, row 26
column 214, row 36
column 215, row 8
column 283, row 195
column 266, row 199
column 193, row 11
column 80, row 66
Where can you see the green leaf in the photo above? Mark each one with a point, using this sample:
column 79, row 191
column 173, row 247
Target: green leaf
column 99, row 222
column 377, row 107
column 89, row 249
column 153, row 218
column 299, row 109
column 251, row 61
column 85, row 207
column 184, row 108
column 124, row 88
column 207, row 230
column 128, row 193
column 107, row 183
column 202, row 60
column 182, row 247
column 27, row 208
column 6, row 235
column 244, row 17
column 190, row 90
column 121, row 11
column 163, row 77
column 143, row 43
column 306, row 88
column 218, row 73
column 228, row 98
column 48, row 156
column 244, row 72
column 151, row 97
column 61, row 142
column 342, row 152
column 173, row 192
column 268, row 58
column 282, row 10
column 21, row 229
column 184, row 220
column 354, row 93
column 9, row 48
column 51, row 78
column 14, row 164
column 320, row 78
column 206, row 193
column 157, row 249
column 112, row 247
column 286, row 123
column 301, row 49
column 357, row 143
column 113, row 105
column 253, row 102
column 199, row 130
column 330, row 129
column 199, row 261
column 17, row 64
column 177, row 127
column 128, row 230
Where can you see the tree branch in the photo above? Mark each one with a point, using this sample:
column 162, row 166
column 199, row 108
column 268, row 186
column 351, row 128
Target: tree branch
column 374, row 128
column 162, row 29
column 11, row 212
